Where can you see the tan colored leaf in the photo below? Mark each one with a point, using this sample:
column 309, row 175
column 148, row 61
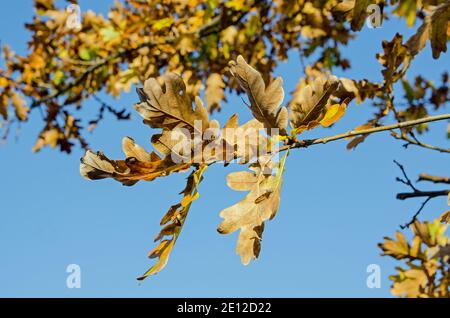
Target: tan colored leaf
column 396, row 59
column 243, row 142
column 418, row 41
column 310, row 102
column 398, row 248
column 360, row 90
column 434, row 28
column 359, row 14
column 139, row 165
column 410, row 284
column 4, row 105
column 133, row 150
column 241, row 180
column 264, row 101
column 168, row 105
column 445, row 217
column 439, row 23
column 49, row 137
column 343, row 10
column 358, row 139
column 215, row 91
column 249, row 214
column 20, row 107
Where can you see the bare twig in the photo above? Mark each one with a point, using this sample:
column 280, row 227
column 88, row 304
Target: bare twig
column 416, row 193
column 434, row 179
column 414, row 218
column 406, row 181
column 416, row 142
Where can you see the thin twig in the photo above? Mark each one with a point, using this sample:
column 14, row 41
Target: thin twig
column 416, row 142
column 414, row 218
column 406, row 181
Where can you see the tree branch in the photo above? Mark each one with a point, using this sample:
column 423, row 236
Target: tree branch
column 309, row 142
column 416, row 194
column 416, row 142
column 214, row 26
column 434, row 179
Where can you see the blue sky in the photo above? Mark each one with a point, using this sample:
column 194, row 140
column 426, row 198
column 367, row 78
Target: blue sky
column 336, row 205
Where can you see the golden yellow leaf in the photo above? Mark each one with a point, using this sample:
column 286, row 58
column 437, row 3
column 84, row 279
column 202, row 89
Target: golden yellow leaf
column 333, row 114
column 189, row 198
column 3, row 82
column 36, row 61
column 174, row 220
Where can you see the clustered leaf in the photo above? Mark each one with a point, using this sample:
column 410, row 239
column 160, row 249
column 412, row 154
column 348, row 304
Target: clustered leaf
column 312, row 104
column 137, row 39
column 435, row 29
column 427, row 259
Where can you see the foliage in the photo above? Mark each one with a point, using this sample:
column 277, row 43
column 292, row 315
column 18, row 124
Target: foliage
column 172, row 48
column 141, row 39
column 165, row 105
column 427, row 260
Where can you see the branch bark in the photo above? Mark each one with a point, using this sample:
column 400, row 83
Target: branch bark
column 434, row 179
column 309, row 142
column 418, row 193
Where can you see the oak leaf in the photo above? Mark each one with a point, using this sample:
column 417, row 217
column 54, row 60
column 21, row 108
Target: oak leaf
column 139, row 165
column 249, row 214
column 359, row 14
column 433, row 28
column 312, row 103
column 215, row 91
column 173, row 222
column 264, row 100
column 396, row 59
column 167, row 105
